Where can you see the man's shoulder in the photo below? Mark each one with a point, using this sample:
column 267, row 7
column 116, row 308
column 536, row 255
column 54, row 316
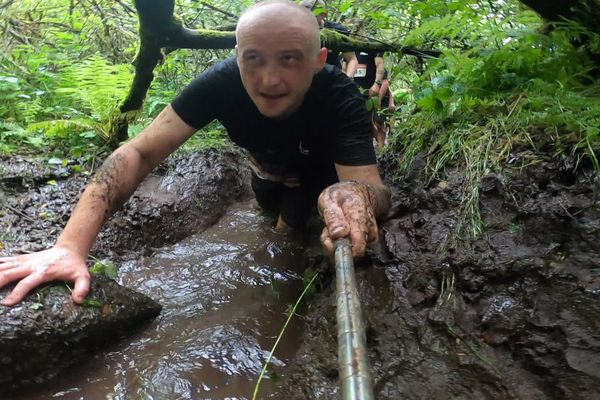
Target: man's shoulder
column 223, row 68
column 223, row 75
column 330, row 87
column 329, row 76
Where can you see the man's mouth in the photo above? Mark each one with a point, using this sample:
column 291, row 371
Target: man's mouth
column 273, row 96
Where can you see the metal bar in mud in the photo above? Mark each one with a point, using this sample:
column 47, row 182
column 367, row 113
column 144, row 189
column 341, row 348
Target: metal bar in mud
column 355, row 376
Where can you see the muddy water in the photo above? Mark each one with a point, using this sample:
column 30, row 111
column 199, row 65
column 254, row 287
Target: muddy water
column 224, row 294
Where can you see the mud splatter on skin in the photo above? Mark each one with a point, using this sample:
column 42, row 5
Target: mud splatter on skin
column 352, row 198
column 348, row 210
column 107, row 177
column 165, row 202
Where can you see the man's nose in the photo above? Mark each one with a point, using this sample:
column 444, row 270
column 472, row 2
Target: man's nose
column 271, row 75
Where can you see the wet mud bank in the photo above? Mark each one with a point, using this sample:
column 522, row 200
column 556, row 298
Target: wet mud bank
column 46, row 333
column 514, row 314
column 184, row 195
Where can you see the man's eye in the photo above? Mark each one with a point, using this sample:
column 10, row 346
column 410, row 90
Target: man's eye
column 251, row 58
column 289, row 58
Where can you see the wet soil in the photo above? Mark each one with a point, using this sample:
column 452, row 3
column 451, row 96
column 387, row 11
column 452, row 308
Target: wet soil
column 513, row 314
column 54, row 333
column 183, row 195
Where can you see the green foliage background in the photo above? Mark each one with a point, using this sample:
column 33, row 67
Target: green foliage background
column 501, row 84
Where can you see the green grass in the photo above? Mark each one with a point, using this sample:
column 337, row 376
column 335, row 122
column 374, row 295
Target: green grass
column 533, row 94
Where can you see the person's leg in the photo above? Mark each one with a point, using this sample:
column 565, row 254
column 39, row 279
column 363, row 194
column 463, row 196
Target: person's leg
column 386, row 92
column 380, row 132
column 268, row 194
column 296, row 204
column 385, row 87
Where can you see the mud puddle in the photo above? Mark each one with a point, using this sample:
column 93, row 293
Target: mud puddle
column 225, row 294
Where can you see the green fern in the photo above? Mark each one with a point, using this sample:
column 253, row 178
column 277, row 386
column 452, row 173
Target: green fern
column 65, row 128
column 96, row 86
column 475, row 104
column 451, row 27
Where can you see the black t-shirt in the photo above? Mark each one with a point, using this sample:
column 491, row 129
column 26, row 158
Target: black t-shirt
column 331, row 126
column 334, row 55
column 366, row 66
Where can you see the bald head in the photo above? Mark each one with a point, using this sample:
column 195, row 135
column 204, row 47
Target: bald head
column 284, row 13
column 278, row 53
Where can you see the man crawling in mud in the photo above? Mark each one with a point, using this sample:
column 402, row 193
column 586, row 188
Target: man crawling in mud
column 304, row 125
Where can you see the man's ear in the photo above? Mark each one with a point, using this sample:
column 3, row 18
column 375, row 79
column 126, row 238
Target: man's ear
column 321, row 59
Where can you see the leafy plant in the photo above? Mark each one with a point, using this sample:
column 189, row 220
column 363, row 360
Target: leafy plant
column 105, row 267
column 511, row 85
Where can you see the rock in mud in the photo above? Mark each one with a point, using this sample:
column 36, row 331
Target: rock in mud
column 47, row 332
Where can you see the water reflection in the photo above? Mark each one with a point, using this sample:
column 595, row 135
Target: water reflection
column 224, row 294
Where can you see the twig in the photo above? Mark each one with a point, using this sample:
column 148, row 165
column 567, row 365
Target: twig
column 230, row 15
column 27, row 217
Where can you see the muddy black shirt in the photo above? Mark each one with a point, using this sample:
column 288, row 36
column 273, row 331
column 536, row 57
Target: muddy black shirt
column 331, row 126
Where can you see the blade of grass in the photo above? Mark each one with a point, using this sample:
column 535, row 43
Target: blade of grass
column 283, row 329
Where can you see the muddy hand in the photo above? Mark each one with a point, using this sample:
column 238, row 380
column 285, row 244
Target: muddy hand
column 348, row 210
column 57, row 263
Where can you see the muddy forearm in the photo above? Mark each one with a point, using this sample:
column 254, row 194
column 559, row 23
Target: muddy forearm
column 110, row 187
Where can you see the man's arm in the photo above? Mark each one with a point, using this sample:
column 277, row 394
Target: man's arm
column 385, row 88
column 351, row 63
column 111, row 186
column 379, row 73
column 351, row 207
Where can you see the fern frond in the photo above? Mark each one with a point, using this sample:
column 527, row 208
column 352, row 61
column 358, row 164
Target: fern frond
column 64, row 128
column 97, row 85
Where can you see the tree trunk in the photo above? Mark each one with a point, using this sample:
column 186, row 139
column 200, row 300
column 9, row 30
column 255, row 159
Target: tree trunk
column 586, row 12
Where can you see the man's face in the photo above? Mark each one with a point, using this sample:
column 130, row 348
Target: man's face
column 277, row 62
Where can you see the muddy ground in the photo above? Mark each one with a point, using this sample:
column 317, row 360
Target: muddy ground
column 514, row 314
column 183, row 195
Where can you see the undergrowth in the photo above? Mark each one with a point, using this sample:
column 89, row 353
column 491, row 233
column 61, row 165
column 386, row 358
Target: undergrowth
column 512, row 87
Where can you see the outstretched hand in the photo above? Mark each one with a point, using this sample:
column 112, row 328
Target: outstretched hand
column 56, row 263
column 348, row 211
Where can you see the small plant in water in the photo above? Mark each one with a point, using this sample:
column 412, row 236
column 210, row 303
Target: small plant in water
column 291, row 313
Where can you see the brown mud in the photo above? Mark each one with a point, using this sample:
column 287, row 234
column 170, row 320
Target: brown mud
column 54, row 333
column 513, row 314
column 183, row 195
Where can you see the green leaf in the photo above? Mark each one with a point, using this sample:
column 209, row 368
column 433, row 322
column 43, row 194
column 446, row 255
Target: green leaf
column 106, row 268
column 92, row 303
column 88, row 134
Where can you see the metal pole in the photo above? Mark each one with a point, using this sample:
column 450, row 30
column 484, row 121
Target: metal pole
column 355, row 376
